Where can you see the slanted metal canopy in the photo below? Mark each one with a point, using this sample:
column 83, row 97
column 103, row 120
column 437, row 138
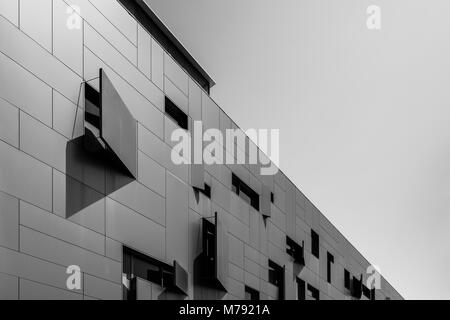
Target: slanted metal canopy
column 118, row 126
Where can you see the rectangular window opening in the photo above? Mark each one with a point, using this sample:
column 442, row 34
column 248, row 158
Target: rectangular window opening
column 330, row 260
column 245, row 192
column 315, row 247
column 251, row 294
column 176, row 114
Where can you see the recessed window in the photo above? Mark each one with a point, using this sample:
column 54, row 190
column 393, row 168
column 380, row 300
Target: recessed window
column 206, row 191
column 295, row 251
column 301, row 289
column 346, row 279
column 313, row 292
column 276, row 277
column 251, row 294
column 366, row 292
column 245, row 192
column 139, row 266
column 315, row 248
column 272, row 197
column 214, row 258
column 357, row 287
column 176, row 114
column 330, row 261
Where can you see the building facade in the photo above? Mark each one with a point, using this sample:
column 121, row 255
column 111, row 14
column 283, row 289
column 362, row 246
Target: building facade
column 92, row 205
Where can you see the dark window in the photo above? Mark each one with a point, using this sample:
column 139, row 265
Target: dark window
column 357, row 287
column 330, row 260
column 251, row 294
column 366, row 291
column 176, row 114
column 206, row 191
column 214, row 258
column 92, row 112
column 272, row 197
column 315, row 248
column 301, row 289
column 138, row 265
column 276, row 277
column 346, row 279
column 245, row 192
column 156, row 28
column 372, row 294
column 315, row 294
column 295, row 251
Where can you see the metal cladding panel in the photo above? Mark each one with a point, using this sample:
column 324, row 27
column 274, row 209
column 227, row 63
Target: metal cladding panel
column 197, row 170
column 119, row 128
column 143, row 289
column 180, row 280
column 221, row 253
column 266, row 207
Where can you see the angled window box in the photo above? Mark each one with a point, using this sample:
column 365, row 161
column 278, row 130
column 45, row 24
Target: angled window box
column 214, row 267
column 296, row 251
column 108, row 119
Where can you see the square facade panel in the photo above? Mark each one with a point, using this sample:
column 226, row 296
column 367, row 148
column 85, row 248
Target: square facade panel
column 119, row 128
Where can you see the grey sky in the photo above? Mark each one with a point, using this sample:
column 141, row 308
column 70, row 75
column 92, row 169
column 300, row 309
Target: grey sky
column 364, row 115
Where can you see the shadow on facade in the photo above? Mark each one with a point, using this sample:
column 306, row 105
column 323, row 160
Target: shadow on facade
column 93, row 172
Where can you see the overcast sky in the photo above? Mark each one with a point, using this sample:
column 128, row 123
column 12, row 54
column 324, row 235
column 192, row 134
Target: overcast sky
column 364, row 115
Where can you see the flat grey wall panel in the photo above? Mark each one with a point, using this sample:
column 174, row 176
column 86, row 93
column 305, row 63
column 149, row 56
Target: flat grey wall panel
column 51, row 249
column 177, row 212
column 210, row 113
column 176, row 74
column 67, row 43
column 38, row 61
column 150, row 144
column 25, row 177
column 42, row 142
column 64, row 112
column 236, row 251
column 9, row 222
column 25, row 266
column 151, row 174
column 119, row 17
column 141, row 199
column 116, row 61
column 36, row 21
column 144, row 52
column 114, row 249
column 195, row 101
column 119, row 128
column 123, row 224
column 9, row 123
column 9, row 287
column 30, row 290
column 101, row 289
column 60, row 228
column 16, row 80
column 10, row 10
column 157, row 65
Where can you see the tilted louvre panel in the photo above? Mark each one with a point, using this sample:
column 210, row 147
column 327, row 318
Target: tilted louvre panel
column 180, row 280
column 221, row 253
column 119, row 128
